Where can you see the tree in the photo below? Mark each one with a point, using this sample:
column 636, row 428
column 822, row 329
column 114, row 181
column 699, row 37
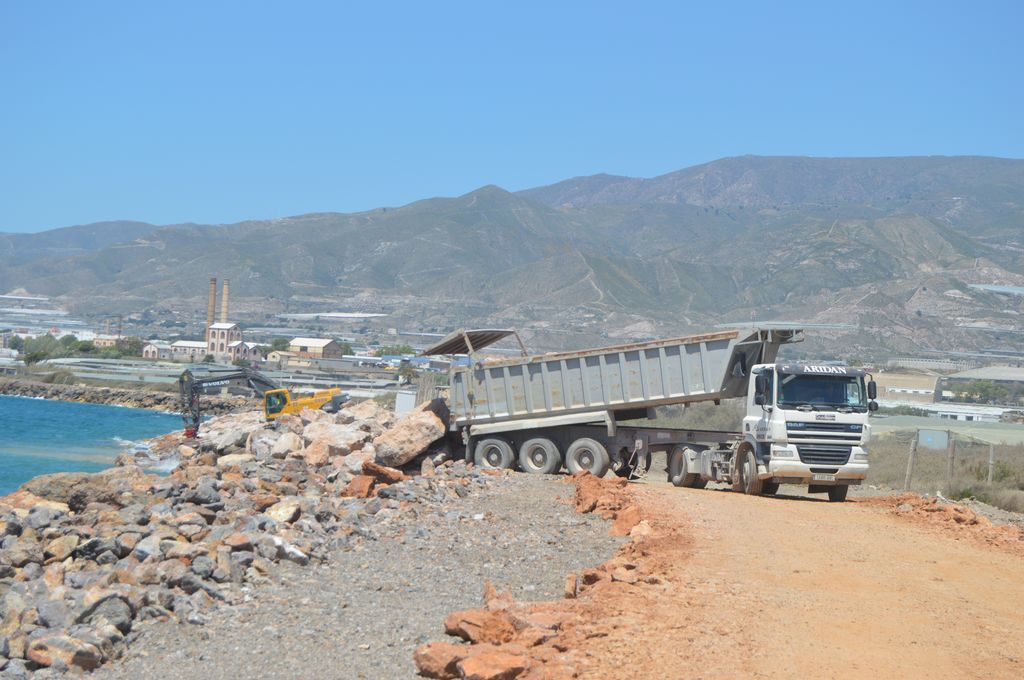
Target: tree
column 132, row 346
column 279, row 345
column 16, row 342
column 394, row 350
column 35, row 357
column 407, row 372
column 346, row 348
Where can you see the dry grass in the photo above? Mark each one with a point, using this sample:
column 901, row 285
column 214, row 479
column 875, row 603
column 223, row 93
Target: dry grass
column 970, row 470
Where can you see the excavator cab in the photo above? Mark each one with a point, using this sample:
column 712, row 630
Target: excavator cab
column 275, row 402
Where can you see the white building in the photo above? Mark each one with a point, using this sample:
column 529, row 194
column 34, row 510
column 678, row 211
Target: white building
column 220, row 336
column 188, row 350
column 158, row 350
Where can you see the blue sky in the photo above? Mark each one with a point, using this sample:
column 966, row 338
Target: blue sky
column 220, row 111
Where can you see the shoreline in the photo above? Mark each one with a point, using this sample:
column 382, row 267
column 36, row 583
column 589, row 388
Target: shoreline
column 167, row 402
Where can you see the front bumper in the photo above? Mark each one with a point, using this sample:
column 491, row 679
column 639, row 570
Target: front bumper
column 785, row 467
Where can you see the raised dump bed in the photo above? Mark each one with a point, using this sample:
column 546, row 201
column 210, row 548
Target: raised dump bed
column 621, row 378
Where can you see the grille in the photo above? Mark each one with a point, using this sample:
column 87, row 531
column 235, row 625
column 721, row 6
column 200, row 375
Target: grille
column 840, row 433
column 822, row 454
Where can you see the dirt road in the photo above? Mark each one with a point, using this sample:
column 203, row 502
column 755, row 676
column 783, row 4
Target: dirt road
column 794, row 587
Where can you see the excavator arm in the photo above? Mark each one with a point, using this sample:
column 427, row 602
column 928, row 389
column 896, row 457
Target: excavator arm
column 191, row 388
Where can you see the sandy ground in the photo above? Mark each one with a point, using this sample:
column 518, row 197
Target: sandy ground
column 797, row 587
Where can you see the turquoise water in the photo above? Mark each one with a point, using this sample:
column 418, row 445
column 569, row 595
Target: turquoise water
column 38, row 437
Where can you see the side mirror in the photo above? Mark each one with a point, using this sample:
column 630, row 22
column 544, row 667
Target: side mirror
column 759, row 399
column 872, row 390
column 872, row 406
column 761, row 384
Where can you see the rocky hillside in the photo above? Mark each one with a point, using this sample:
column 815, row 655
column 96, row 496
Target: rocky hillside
column 890, row 244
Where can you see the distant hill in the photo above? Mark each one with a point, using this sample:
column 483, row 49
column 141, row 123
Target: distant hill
column 975, row 188
column 890, row 244
column 71, row 240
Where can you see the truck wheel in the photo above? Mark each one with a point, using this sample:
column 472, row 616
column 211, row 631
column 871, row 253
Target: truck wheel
column 587, row 454
column 677, row 464
column 837, row 494
column 539, row 456
column 752, row 486
column 621, row 465
column 769, row 488
column 493, row 454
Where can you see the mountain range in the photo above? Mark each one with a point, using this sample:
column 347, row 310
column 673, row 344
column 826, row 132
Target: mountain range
column 889, row 246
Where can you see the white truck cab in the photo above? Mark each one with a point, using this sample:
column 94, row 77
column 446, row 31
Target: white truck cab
column 808, row 424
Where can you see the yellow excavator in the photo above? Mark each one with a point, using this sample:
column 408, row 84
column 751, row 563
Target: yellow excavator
column 276, row 400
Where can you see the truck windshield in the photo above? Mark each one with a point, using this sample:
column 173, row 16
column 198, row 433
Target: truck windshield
column 821, row 392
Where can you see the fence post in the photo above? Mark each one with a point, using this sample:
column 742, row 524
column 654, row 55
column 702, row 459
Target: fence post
column 991, row 460
column 950, row 457
column 911, row 462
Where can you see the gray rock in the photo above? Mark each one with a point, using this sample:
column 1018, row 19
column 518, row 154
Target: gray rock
column 16, row 670
column 54, row 613
column 41, row 516
column 203, row 566
column 95, row 547
column 113, row 610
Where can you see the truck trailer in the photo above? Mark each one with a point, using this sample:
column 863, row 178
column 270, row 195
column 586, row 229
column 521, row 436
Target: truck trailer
column 804, row 423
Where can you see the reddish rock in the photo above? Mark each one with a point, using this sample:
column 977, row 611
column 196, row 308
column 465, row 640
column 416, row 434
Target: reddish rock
column 263, row 500
column 383, row 475
column 570, row 586
column 493, row 664
column 532, row 637
column 409, row 437
column 239, row 541
column 496, row 601
column 625, row 520
column 439, row 659
column 480, row 625
column 46, row 650
column 523, row 619
column 361, row 486
column 317, row 453
column 624, row 575
column 591, row 576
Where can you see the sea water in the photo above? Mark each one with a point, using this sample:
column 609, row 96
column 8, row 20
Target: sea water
column 38, row 436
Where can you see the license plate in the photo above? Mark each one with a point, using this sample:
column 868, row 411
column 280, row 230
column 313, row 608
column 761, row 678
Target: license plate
column 823, row 478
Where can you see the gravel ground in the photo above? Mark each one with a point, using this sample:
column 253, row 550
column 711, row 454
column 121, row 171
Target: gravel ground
column 363, row 614
column 657, row 475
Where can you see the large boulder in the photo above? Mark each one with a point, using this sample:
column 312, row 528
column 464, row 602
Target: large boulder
column 410, row 436
column 340, row 439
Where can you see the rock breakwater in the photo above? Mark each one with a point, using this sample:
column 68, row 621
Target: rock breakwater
column 155, row 401
column 86, row 559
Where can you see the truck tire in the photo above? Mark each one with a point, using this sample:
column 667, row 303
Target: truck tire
column 837, row 494
column 622, row 464
column 540, row 457
column 493, row 454
column 749, row 483
column 769, row 488
column 588, row 455
column 677, row 464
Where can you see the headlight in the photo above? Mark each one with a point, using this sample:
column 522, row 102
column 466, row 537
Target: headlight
column 862, row 457
column 779, row 452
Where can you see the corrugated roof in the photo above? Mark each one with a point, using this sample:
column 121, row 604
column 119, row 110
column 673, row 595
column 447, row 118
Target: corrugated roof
column 455, row 343
column 311, row 342
column 1004, row 373
column 223, row 326
column 189, row 343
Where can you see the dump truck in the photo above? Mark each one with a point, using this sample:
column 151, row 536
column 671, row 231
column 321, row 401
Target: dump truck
column 804, row 423
column 277, row 400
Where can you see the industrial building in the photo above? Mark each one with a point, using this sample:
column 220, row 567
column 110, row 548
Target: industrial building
column 315, row 348
column 1011, row 378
